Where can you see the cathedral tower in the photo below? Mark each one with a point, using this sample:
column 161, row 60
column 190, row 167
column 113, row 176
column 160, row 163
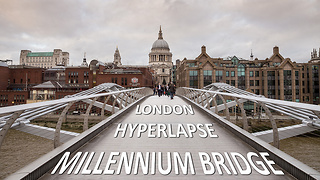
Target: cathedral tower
column 117, row 57
column 160, row 60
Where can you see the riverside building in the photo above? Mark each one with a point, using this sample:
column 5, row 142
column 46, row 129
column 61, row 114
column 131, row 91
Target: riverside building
column 275, row 77
column 44, row 59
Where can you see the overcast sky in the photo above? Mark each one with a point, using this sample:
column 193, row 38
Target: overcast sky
column 225, row 27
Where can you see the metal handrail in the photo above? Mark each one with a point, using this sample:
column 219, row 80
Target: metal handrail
column 18, row 110
column 292, row 108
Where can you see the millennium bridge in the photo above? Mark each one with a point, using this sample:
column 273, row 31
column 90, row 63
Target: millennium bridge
column 143, row 136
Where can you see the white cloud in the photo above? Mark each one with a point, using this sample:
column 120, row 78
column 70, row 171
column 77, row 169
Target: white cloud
column 231, row 27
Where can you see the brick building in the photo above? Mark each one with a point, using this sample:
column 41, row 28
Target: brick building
column 4, row 76
column 126, row 77
column 9, row 98
column 275, row 77
column 23, row 77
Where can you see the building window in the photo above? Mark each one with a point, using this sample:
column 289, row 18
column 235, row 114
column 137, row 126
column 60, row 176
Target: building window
column 122, row 81
column 227, row 73
column 125, row 81
column 192, row 64
column 235, row 61
column 271, row 84
column 241, row 76
column 163, row 70
column 232, row 73
column 257, row 82
column 207, row 76
column 241, row 70
column 287, row 85
column 219, row 76
column 193, row 77
column 251, row 83
column 257, row 74
column 233, row 83
column 251, row 73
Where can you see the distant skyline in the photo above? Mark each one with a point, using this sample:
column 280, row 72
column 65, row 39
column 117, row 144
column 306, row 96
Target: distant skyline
column 97, row 27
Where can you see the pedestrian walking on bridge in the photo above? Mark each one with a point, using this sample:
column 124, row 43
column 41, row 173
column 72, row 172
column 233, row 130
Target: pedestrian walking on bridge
column 172, row 90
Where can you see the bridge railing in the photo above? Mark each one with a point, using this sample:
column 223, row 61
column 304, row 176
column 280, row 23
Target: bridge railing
column 205, row 100
column 116, row 98
column 308, row 113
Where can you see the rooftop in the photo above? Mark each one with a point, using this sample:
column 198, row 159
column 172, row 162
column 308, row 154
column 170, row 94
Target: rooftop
column 39, row 54
column 122, row 71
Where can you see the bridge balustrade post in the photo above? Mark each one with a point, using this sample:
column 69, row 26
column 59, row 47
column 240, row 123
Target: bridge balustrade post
column 116, row 98
column 127, row 96
column 103, row 106
column 192, row 94
column 122, row 100
column 198, row 99
column 56, row 141
column 243, row 115
column 215, row 103
column 131, row 96
column 8, row 124
column 140, row 93
column 114, row 103
column 202, row 101
column 208, row 103
column 186, row 93
column 134, row 96
column 189, row 94
column 86, row 116
column 276, row 142
column 226, row 110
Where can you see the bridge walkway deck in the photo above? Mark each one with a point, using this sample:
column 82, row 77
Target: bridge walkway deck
column 106, row 142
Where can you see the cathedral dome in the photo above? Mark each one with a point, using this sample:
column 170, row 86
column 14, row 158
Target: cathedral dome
column 160, row 43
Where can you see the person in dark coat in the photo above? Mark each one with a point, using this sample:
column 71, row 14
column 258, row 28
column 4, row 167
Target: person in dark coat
column 172, row 90
column 159, row 89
